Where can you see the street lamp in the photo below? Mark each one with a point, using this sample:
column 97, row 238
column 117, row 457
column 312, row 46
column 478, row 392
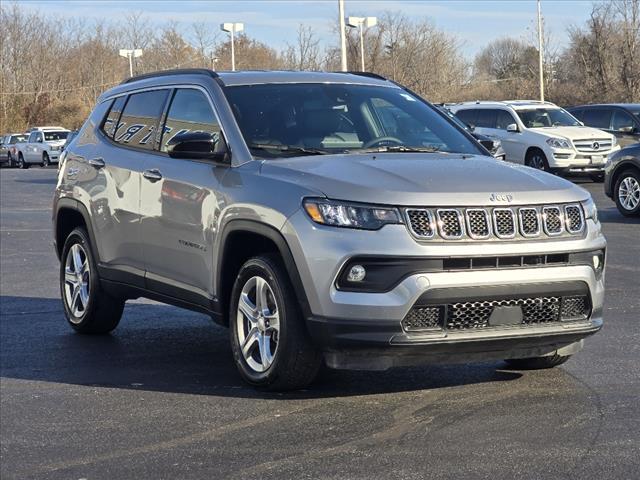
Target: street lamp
column 361, row 22
column 232, row 28
column 131, row 54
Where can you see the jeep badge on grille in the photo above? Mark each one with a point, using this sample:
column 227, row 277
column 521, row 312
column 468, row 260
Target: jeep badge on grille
column 501, row 197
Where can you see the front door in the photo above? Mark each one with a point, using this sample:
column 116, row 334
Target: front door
column 180, row 204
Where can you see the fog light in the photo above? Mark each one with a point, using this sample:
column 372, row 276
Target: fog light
column 356, row 273
column 596, row 262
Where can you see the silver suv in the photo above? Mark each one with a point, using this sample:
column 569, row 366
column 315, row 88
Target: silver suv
column 323, row 217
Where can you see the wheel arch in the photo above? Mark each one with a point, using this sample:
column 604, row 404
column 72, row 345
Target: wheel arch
column 243, row 239
column 622, row 167
column 70, row 214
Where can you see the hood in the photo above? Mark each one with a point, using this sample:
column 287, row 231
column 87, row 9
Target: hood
column 422, row 179
column 573, row 133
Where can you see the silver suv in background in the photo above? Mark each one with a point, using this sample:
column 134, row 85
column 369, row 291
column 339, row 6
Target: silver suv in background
column 541, row 135
column 43, row 146
column 322, row 217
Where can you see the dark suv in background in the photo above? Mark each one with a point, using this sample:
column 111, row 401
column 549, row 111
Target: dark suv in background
column 620, row 119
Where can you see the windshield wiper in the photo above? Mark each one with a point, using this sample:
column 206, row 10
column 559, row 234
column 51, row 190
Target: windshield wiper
column 286, row 149
column 397, row 148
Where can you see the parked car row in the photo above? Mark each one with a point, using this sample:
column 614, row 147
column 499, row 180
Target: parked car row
column 40, row 146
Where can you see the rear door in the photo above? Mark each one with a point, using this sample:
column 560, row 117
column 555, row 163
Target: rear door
column 30, row 152
column 131, row 127
column 180, row 202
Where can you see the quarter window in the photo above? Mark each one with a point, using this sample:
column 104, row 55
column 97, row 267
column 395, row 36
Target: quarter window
column 140, row 118
column 190, row 111
column 622, row 120
column 111, row 122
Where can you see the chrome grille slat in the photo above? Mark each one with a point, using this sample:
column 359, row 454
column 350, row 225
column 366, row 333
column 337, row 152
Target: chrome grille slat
column 552, row 220
column 450, row 223
column 586, row 145
column 495, row 223
column 504, row 221
column 529, row 222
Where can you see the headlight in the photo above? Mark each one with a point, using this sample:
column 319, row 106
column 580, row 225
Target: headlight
column 614, row 141
column 558, row 143
column 341, row 214
column 590, row 209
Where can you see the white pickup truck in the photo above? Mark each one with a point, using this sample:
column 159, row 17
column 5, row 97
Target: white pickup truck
column 43, row 146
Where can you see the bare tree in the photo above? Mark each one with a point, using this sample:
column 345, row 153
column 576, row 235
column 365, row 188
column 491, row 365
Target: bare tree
column 305, row 54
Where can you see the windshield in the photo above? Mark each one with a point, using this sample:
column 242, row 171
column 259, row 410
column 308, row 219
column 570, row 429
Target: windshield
column 294, row 119
column 17, row 138
column 547, row 117
column 52, row 136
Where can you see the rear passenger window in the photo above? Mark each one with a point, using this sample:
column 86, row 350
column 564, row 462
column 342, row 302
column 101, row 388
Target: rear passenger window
column 190, row 111
column 486, row 118
column 598, row 118
column 139, row 119
column 111, row 122
column 504, row 119
column 467, row 116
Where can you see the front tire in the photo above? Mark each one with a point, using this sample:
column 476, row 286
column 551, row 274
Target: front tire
column 626, row 193
column 537, row 159
column 87, row 307
column 45, row 160
column 270, row 343
column 538, row 363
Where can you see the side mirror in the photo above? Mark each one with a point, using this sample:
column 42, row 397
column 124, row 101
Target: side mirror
column 200, row 146
column 581, row 123
column 38, row 140
column 512, row 127
column 629, row 129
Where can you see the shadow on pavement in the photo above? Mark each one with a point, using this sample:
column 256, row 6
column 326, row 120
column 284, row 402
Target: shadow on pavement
column 162, row 348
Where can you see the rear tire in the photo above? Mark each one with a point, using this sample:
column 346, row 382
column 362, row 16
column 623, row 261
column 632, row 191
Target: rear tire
column 87, row 307
column 537, row 159
column 270, row 343
column 626, row 193
column 21, row 163
column 538, row 363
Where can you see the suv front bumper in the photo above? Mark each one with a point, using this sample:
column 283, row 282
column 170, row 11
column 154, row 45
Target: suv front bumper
column 364, row 330
column 573, row 161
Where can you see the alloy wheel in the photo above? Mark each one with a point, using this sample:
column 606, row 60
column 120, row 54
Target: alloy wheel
column 629, row 193
column 537, row 162
column 77, row 274
column 258, row 324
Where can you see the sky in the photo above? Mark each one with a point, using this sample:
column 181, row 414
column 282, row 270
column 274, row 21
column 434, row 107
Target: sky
column 275, row 22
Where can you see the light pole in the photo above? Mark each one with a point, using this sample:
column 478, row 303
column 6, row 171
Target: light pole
column 540, row 54
column 131, row 54
column 343, row 39
column 361, row 22
column 232, row 28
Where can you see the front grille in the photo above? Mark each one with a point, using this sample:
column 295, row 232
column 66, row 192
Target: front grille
column 476, row 314
column 502, row 223
column 529, row 223
column 505, row 223
column 423, row 318
column 591, row 145
column 450, row 223
column 552, row 220
column 574, row 219
column 478, row 223
column 421, row 223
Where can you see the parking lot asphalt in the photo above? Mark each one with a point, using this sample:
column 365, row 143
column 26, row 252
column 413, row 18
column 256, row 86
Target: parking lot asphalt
column 160, row 397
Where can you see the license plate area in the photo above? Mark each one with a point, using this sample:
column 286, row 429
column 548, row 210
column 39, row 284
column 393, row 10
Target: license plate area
column 506, row 315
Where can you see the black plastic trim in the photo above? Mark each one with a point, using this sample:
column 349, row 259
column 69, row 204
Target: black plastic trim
column 177, row 71
column 66, row 203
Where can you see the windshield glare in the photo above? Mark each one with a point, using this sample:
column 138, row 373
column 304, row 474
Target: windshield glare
column 547, row 117
column 52, row 136
column 336, row 118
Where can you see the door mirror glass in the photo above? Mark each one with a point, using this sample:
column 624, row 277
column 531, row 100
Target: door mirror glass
column 512, row 127
column 199, row 146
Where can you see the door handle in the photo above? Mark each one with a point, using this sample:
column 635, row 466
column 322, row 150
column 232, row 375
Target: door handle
column 97, row 163
column 153, row 175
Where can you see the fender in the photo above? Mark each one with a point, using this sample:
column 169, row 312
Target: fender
column 283, row 248
column 66, row 203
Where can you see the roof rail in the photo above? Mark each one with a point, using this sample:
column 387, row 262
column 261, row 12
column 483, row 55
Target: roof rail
column 177, row 71
column 366, row 74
